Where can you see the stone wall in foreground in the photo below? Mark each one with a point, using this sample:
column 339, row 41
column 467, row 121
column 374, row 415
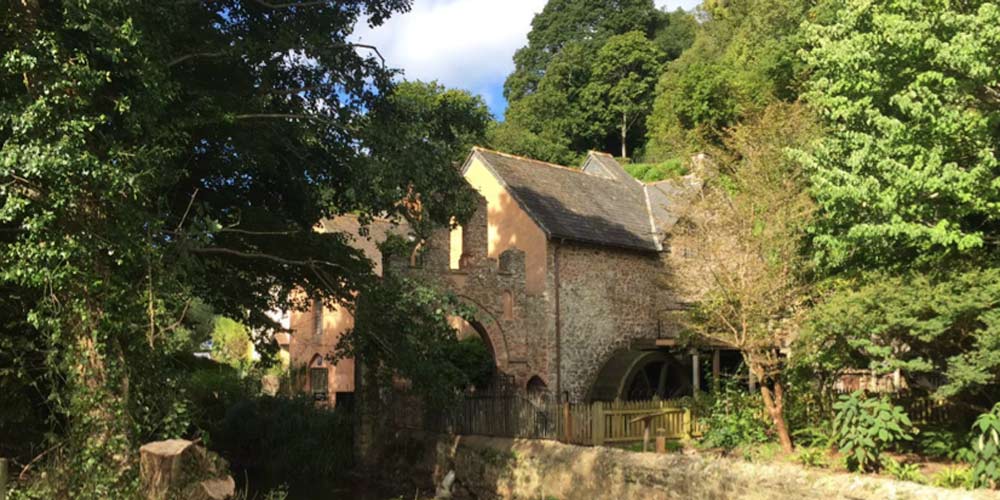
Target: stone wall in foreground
column 530, row 469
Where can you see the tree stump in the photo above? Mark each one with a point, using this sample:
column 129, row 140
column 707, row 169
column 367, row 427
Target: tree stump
column 178, row 468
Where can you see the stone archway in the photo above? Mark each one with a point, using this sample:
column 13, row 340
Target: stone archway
column 489, row 328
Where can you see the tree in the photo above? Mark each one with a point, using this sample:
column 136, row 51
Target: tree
column 906, row 177
column 745, row 270
column 154, row 153
column 557, row 100
column 553, row 123
column 942, row 332
column 744, row 57
column 589, row 22
column 623, row 76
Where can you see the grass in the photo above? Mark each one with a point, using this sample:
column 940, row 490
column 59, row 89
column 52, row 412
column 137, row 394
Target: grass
column 653, row 172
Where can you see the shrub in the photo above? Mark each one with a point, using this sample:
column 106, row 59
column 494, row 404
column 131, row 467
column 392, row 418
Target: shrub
column 811, row 457
column 289, row 441
column 945, row 444
column 953, row 477
column 865, row 427
column 735, row 419
column 903, row 472
column 815, row 436
column 986, row 449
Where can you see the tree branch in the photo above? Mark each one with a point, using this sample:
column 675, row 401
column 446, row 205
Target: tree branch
column 264, row 256
column 185, row 57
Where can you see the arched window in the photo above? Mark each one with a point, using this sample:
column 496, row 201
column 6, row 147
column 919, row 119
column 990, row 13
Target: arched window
column 319, row 377
column 536, row 388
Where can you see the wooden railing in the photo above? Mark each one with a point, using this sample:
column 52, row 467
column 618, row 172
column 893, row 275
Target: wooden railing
column 518, row 416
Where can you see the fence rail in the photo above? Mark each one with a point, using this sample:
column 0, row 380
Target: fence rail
column 518, row 416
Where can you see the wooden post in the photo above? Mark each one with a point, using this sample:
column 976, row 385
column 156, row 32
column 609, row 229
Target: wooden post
column 645, row 435
column 567, row 422
column 661, row 440
column 716, row 369
column 597, row 422
column 695, row 374
column 3, row 479
column 687, row 423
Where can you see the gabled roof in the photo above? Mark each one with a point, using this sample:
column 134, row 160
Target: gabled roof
column 668, row 199
column 597, row 207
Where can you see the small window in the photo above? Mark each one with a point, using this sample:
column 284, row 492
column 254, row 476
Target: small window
column 508, row 305
column 318, row 381
column 317, row 317
column 455, row 250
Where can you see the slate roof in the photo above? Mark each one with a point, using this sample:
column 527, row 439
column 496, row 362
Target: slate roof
column 668, row 198
column 599, row 207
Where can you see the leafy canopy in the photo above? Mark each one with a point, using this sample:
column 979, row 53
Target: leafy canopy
column 907, row 176
column 158, row 153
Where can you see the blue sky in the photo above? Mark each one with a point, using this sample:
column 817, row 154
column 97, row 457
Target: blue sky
column 466, row 44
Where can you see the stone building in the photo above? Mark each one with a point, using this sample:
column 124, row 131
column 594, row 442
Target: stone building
column 565, row 271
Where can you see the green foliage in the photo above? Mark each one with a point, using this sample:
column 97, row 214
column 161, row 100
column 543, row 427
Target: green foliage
column 742, row 59
column 623, row 75
column 896, row 83
column 865, row 427
column 653, row 172
column 156, row 154
column 945, row 444
column 401, row 329
column 590, row 22
column 986, row 449
column 735, row 419
column 282, row 441
column 811, row 457
column 472, row 357
column 231, row 344
column 903, row 472
column 587, row 66
column 953, row 477
column 948, row 321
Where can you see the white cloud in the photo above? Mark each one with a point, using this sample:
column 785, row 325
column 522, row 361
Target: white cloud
column 460, row 43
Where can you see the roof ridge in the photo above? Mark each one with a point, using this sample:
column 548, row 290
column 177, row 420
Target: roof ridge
column 533, row 160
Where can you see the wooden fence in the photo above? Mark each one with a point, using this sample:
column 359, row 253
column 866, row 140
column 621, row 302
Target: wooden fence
column 518, row 416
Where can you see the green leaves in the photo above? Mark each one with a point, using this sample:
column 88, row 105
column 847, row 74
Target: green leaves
column 906, row 176
column 865, row 427
column 986, row 449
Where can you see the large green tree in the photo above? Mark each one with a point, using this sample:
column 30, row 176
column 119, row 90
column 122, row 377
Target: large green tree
column 908, row 176
column 590, row 22
column 579, row 53
column 908, row 187
column 623, row 76
column 158, row 152
column 743, row 58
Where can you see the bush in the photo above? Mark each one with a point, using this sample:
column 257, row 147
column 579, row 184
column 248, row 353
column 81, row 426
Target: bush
column 286, row 441
column 903, row 472
column 953, row 477
column 986, row 449
column 945, row 444
column 811, row 457
column 735, row 419
column 865, row 427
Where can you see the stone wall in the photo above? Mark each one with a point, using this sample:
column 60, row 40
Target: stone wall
column 530, row 469
column 608, row 298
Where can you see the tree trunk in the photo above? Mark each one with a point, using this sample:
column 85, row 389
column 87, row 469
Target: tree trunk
column 774, row 405
column 624, row 134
